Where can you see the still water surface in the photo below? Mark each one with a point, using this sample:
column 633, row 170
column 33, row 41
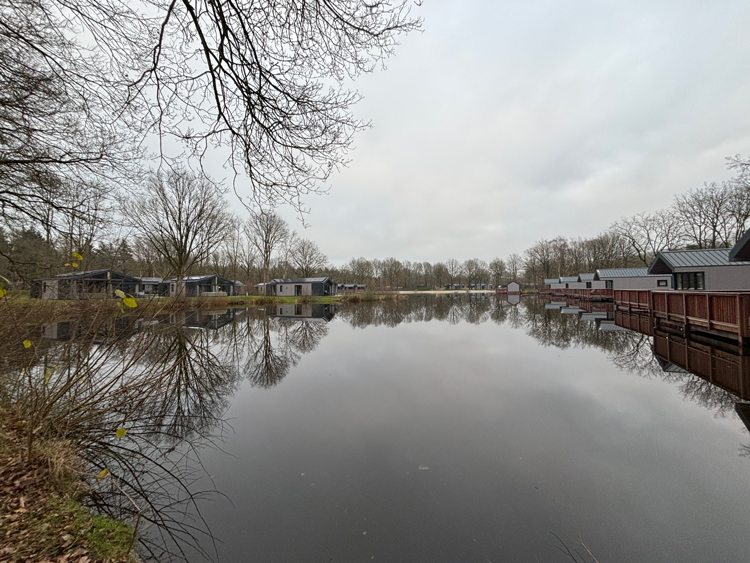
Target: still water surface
column 455, row 429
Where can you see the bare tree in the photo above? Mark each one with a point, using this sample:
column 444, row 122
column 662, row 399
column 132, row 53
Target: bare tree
column 648, row 234
column 514, row 263
column 497, row 270
column 454, row 269
column 266, row 232
column 307, row 258
column 182, row 216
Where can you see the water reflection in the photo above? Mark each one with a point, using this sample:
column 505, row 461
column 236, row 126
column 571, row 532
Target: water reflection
column 170, row 380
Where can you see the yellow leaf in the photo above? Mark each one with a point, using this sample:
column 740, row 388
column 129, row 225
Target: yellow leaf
column 102, row 474
column 130, row 302
column 2, row 291
column 76, row 255
column 67, row 263
column 120, row 293
column 27, row 343
column 74, row 264
column 121, row 432
column 48, row 375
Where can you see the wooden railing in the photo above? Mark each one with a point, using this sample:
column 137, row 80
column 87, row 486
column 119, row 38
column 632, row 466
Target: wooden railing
column 723, row 311
column 633, row 299
column 637, row 322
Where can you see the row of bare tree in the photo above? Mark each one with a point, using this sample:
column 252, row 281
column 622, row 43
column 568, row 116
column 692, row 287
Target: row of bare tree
column 712, row 216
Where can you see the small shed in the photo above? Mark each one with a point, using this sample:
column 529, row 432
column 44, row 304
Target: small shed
column 200, row 286
column 92, row 284
column 513, row 288
column 301, row 287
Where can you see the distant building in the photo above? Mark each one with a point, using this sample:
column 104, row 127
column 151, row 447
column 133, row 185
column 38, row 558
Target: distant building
column 715, row 269
column 301, row 287
column 351, row 288
column 240, row 288
column 632, row 278
column 93, row 284
column 149, row 286
column 514, row 288
column 200, row 286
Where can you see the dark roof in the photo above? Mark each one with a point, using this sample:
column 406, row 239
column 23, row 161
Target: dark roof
column 300, row 280
column 621, row 273
column 741, row 250
column 200, row 278
column 667, row 260
column 587, row 277
column 91, row 274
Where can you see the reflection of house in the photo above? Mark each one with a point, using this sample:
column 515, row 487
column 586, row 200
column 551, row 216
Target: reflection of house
column 83, row 285
column 301, row 287
column 203, row 319
column 514, row 298
column 714, row 269
column 200, row 286
column 304, row 311
column 149, row 286
column 632, row 278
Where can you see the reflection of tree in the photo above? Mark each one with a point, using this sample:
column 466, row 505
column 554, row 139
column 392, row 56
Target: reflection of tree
column 266, row 365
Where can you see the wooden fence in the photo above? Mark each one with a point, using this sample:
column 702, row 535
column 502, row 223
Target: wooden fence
column 726, row 312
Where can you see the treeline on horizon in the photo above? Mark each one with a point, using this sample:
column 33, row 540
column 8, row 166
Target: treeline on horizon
column 263, row 246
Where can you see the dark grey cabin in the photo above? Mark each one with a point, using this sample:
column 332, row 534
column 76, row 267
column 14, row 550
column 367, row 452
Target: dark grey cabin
column 199, row 286
column 301, row 287
column 93, row 284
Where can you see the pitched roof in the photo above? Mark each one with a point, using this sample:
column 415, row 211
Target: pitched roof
column 586, row 277
column 299, row 280
column 569, row 279
column 93, row 273
column 550, row 281
column 741, row 250
column 667, row 260
column 621, row 273
column 146, row 279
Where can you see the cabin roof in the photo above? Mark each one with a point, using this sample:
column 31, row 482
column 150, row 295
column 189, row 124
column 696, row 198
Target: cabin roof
column 621, row 273
column 150, row 280
column 92, row 274
column 550, row 281
column 741, row 251
column 568, row 279
column 300, row 280
column 667, row 260
column 194, row 279
column 587, row 277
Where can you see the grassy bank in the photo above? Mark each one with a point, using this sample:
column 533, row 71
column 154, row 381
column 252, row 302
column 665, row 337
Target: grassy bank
column 41, row 514
column 28, row 310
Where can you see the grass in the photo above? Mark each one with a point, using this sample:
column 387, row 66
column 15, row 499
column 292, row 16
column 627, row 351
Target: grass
column 41, row 514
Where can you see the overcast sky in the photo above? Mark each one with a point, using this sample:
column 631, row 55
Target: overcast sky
column 506, row 122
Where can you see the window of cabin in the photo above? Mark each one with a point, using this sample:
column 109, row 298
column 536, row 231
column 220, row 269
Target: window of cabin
column 609, row 284
column 661, row 283
column 689, row 280
column 588, row 285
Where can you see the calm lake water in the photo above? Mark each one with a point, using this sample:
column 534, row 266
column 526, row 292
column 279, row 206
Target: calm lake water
column 439, row 429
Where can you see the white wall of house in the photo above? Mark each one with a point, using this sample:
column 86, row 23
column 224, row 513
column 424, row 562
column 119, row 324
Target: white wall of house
column 642, row 282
